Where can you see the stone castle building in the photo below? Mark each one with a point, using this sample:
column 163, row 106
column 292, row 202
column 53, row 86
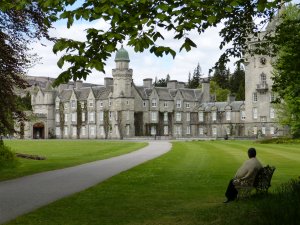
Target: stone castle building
column 120, row 109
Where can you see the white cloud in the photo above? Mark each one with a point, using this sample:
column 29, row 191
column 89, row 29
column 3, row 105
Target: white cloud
column 144, row 65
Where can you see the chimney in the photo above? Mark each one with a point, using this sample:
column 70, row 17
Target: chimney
column 62, row 87
column 108, row 81
column 230, row 98
column 78, row 84
column 172, row 84
column 206, row 91
column 180, row 85
column 147, row 82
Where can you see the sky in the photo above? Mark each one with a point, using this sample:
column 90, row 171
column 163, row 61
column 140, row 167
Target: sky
column 144, row 65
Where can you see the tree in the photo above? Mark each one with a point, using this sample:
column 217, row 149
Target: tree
column 221, row 76
column 286, row 45
column 162, row 82
column 219, row 93
column 19, row 26
column 143, row 22
column 237, row 82
column 194, row 82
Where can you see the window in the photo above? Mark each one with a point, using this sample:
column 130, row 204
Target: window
column 73, row 104
column 83, row 117
column 66, row 132
column 116, row 115
column 66, row 105
column 263, row 78
column 166, row 130
column 83, row 131
column 56, row 105
column 201, row 132
column 201, row 116
column 188, row 130
column 187, row 105
column 128, row 115
column 272, row 130
column 153, row 130
column 109, row 102
column 254, row 113
column 263, row 130
column 272, row 113
column 255, row 130
column 272, row 97
column 228, row 115
column 214, row 131
column 165, row 116
column 153, row 102
column 165, row 104
column 154, row 116
column 92, row 131
column 57, row 119
column 66, row 117
column 91, row 103
column 74, row 131
column 178, row 116
column 178, row 103
column 144, row 104
column 243, row 115
column 73, row 117
column 101, row 130
column 188, row 116
column 254, row 97
column 263, row 119
column 127, row 102
column 214, row 116
column 82, row 104
column 57, row 131
column 92, row 117
column 228, row 130
column 101, row 104
column 178, row 130
column 100, row 115
column 110, row 115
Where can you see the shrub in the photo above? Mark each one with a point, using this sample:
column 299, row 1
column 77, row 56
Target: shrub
column 7, row 157
column 280, row 140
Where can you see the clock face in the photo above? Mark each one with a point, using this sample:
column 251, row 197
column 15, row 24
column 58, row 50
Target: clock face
column 263, row 60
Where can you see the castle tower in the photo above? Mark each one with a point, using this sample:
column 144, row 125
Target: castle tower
column 123, row 100
column 122, row 75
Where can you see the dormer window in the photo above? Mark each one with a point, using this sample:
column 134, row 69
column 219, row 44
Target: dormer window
column 73, row 104
column 153, row 102
column 178, row 104
column 187, row 105
column 228, row 115
column 214, row 116
column 91, row 103
column 57, row 105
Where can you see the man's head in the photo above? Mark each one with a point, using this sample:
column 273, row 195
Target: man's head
column 251, row 152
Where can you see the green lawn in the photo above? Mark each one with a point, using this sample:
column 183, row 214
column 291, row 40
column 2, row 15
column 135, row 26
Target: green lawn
column 63, row 153
column 184, row 187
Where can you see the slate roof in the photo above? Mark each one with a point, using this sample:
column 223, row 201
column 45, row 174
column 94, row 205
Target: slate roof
column 65, row 95
column 235, row 105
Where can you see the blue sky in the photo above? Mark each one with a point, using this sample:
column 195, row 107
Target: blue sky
column 144, row 65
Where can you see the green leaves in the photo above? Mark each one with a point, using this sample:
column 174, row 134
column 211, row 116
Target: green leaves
column 188, row 44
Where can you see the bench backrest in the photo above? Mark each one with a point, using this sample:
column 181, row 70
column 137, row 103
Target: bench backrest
column 263, row 178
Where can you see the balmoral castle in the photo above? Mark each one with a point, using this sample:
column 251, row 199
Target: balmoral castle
column 120, row 109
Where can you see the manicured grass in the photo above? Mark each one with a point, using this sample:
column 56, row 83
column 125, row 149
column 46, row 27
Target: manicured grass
column 61, row 154
column 184, row 187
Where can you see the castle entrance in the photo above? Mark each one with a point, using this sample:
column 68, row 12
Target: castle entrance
column 39, row 131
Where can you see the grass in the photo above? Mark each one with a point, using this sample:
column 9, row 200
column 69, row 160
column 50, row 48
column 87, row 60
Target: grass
column 61, row 154
column 184, row 187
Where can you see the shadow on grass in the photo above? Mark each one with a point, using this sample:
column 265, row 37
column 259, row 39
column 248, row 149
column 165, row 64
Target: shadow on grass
column 282, row 207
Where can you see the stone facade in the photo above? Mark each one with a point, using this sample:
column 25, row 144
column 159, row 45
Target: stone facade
column 120, row 109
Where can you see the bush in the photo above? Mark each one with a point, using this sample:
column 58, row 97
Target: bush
column 280, row 140
column 7, row 157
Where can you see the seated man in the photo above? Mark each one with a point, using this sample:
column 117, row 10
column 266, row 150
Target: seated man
column 246, row 172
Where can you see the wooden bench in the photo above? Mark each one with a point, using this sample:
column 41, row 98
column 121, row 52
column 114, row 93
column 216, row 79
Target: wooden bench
column 261, row 182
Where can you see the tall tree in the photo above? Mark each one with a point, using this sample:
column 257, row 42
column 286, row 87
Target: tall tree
column 143, row 24
column 221, row 76
column 162, row 82
column 19, row 26
column 237, row 82
column 286, row 45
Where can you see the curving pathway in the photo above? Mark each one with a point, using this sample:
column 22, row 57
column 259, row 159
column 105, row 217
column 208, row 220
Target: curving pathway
column 22, row 195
